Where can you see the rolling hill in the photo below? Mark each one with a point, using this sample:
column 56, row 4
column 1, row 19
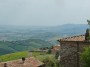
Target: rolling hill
column 22, row 45
column 13, row 39
column 48, row 33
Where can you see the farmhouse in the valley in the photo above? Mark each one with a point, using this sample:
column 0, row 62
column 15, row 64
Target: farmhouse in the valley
column 71, row 48
column 55, row 49
column 24, row 62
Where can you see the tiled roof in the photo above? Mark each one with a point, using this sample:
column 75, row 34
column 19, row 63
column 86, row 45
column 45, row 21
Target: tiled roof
column 74, row 38
column 55, row 48
column 29, row 62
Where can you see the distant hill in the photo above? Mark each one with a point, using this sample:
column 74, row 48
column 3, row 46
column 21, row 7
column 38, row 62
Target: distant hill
column 70, row 29
column 48, row 33
column 13, row 39
column 22, row 45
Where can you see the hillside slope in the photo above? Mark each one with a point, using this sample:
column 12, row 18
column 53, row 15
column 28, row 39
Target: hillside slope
column 22, row 45
column 13, row 39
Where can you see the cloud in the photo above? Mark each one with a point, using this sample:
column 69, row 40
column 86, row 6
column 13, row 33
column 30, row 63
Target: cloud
column 43, row 12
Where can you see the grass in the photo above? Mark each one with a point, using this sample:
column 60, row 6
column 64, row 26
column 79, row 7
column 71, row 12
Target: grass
column 18, row 55
column 13, row 56
column 49, row 60
column 38, row 53
column 43, row 57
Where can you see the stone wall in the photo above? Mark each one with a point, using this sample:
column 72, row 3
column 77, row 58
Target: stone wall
column 69, row 54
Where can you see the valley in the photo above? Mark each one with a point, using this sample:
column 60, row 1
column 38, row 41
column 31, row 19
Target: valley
column 14, row 39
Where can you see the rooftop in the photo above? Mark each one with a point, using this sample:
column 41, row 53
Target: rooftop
column 74, row 38
column 56, row 47
column 29, row 62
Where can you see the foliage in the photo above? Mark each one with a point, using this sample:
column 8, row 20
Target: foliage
column 85, row 57
column 57, row 55
column 49, row 51
column 49, row 60
column 88, row 37
column 42, row 57
column 38, row 53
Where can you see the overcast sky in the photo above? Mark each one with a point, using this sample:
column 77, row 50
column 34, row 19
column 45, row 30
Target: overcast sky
column 44, row 12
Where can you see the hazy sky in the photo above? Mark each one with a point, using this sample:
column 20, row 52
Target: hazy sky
column 44, row 12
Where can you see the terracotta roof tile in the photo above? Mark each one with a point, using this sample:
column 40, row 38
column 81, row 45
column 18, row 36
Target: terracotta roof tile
column 74, row 38
column 29, row 62
column 55, row 48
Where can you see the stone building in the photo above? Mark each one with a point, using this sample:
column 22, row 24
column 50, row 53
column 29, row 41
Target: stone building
column 55, row 49
column 71, row 48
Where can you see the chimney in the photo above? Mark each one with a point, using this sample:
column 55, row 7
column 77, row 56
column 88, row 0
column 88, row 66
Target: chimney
column 23, row 59
column 5, row 65
column 87, row 35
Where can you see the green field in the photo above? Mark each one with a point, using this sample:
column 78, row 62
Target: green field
column 13, row 56
column 18, row 55
column 42, row 57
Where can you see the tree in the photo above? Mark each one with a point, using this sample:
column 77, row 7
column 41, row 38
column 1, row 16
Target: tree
column 49, row 51
column 51, row 62
column 85, row 57
column 88, row 37
column 57, row 55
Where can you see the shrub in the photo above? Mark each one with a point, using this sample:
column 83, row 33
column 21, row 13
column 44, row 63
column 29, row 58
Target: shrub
column 85, row 57
column 49, row 62
column 57, row 55
column 49, row 51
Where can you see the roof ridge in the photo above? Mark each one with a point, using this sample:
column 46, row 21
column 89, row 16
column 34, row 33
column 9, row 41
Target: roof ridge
column 74, row 38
